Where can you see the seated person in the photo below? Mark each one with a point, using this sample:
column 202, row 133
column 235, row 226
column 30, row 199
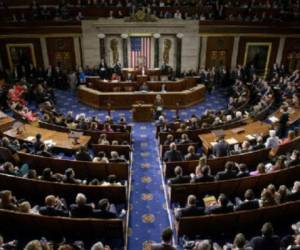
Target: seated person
column 221, row 148
column 180, row 178
column 48, row 175
column 54, row 206
column 279, row 164
column 272, row 141
column 242, row 170
column 106, row 210
column 260, row 169
column 169, row 139
column 115, row 157
column 9, row 168
column 101, row 158
column 111, row 180
column 184, row 139
column 290, row 137
column 191, row 155
column 223, row 206
column 294, row 159
column 12, row 147
column 8, row 201
column 107, row 128
column 295, row 192
column 259, row 143
column 191, row 209
column 82, row 154
column 267, row 198
column 249, row 202
column 69, row 177
column 229, row 172
column 202, row 174
column 173, row 154
column 166, row 243
column 267, row 240
column 103, row 140
column 81, row 209
column 144, row 87
column 44, row 151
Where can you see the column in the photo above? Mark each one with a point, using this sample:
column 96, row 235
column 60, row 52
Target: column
column 77, row 51
column 235, row 51
column 125, row 49
column 44, row 52
column 179, row 37
column 280, row 50
column 101, row 37
column 203, row 52
column 156, row 50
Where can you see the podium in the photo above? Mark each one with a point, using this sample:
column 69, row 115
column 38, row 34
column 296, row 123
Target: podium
column 142, row 112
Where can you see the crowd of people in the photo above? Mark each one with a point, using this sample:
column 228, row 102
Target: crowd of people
column 204, row 10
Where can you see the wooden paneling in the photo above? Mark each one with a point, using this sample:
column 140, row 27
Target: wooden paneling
column 291, row 53
column 34, row 41
column 219, row 48
column 61, row 50
column 245, row 40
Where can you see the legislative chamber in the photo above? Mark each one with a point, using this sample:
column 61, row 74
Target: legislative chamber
column 149, row 125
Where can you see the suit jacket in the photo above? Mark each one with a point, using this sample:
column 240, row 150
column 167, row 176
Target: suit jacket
column 265, row 243
column 220, row 210
column 104, row 214
column 191, row 157
column 83, row 156
column 221, row 149
column 173, row 155
column 247, row 205
column 180, row 179
column 293, row 196
column 190, row 211
column 52, row 211
column 81, row 211
column 204, row 178
column 162, row 246
column 225, row 175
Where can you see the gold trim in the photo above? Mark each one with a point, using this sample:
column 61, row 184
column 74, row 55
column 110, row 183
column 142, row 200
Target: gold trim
column 60, row 35
column 247, row 34
column 140, row 34
column 248, row 44
column 12, row 45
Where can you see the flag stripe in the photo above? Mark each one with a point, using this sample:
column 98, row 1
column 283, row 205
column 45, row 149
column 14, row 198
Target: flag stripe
column 140, row 47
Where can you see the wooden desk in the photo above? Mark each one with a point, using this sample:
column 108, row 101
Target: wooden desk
column 5, row 122
column 125, row 100
column 294, row 115
column 255, row 128
column 142, row 112
column 61, row 139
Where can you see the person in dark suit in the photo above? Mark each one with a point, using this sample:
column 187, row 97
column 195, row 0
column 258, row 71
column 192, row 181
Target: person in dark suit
column 295, row 192
column 283, row 122
column 173, row 154
column 294, row 159
column 105, row 210
column 223, row 206
column 53, row 207
column 249, row 203
column 180, row 178
column 259, row 143
column 221, row 148
column 166, row 243
column 191, row 209
column 267, row 241
column 242, row 171
column 37, row 144
column 83, row 155
column 228, row 173
column 202, row 175
column 103, row 69
column 191, row 155
column 115, row 157
column 81, row 209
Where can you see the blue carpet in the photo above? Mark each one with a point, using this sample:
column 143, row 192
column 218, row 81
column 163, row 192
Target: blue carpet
column 148, row 205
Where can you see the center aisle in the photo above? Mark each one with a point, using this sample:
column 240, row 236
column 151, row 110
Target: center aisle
column 148, row 215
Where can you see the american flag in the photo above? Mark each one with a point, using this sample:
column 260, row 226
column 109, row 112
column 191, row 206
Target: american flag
column 140, row 49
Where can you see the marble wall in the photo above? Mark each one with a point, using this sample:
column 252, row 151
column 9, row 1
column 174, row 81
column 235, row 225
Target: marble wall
column 167, row 28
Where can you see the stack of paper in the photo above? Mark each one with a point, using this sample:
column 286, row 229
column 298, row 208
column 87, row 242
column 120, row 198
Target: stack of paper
column 250, row 137
column 49, row 143
column 29, row 138
column 273, row 119
column 231, row 141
